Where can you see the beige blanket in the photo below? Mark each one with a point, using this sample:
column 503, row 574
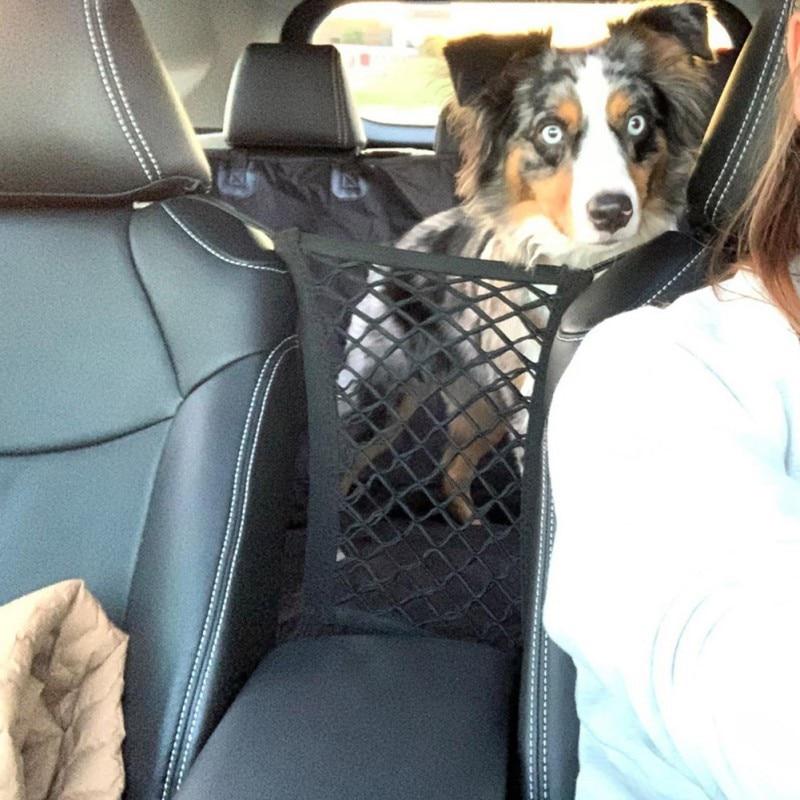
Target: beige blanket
column 61, row 672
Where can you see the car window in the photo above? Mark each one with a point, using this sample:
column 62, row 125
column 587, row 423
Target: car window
column 392, row 51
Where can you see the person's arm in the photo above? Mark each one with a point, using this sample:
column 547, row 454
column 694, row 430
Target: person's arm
column 676, row 570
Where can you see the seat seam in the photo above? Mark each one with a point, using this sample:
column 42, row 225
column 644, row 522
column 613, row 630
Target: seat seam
column 343, row 106
column 546, row 653
column 336, row 107
column 69, row 448
column 218, row 572
column 774, row 74
column 229, row 578
column 535, row 626
column 118, row 82
column 672, row 280
column 109, row 91
column 743, row 124
column 638, row 303
column 548, row 513
column 340, row 100
column 151, row 306
column 214, row 251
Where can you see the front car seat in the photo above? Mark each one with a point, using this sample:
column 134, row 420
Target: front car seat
column 655, row 274
column 149, row 374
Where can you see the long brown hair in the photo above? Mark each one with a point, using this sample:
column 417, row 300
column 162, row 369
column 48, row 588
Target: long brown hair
column 766, row 231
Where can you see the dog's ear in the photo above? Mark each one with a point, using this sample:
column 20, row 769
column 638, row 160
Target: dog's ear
column 471, row 127
column 475, row 61
column 686, row 22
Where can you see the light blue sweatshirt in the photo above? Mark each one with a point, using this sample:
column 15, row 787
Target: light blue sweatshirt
column 675, row 579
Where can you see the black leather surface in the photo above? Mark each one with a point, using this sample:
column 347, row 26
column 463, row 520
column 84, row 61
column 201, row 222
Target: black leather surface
column 54, row 268
column 206, row 600
column 444, row 142
column 291, row 95
column 548, row 723
column 740, row 132
column 216, row 292
column 77, row 512
column 148, row 448
column 90, row 114
column 655, row 273
column 364, row 717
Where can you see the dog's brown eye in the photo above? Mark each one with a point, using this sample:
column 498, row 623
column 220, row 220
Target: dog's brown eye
column 552, row 134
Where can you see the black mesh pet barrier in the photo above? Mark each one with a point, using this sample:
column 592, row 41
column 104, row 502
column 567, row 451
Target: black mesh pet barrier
column 424, row 385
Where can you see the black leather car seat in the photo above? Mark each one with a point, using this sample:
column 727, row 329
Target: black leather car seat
column 149, row 372
column 292, row 152
column 658, row 273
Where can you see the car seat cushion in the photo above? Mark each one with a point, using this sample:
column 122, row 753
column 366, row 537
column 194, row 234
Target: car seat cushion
column 365, row 717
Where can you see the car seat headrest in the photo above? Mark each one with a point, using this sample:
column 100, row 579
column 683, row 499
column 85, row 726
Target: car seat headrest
column 89, row 113
column 291, row 96
column 741, row 131
column 444, row 142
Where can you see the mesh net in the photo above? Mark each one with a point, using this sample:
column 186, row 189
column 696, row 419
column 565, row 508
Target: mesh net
column 424, row 382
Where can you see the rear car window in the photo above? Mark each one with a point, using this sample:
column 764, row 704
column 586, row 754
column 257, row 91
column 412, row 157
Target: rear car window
column 392, row 51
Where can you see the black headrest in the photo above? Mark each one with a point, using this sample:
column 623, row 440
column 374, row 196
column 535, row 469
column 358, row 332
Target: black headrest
column 89, row 114
column 444, row 143
column 291, row 95
column 741, row 131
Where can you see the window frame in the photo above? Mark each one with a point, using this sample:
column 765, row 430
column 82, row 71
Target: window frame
column 302, row 22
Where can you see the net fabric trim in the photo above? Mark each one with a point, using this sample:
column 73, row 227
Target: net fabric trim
column 424, row 384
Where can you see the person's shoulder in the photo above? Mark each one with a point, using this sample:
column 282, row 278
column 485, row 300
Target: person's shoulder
column 727, row 338
column 731, row 323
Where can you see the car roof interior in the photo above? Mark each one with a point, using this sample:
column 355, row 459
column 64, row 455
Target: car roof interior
column 200, row 45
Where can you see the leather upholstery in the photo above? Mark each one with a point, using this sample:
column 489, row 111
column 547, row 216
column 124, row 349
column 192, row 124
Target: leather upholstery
column 291, row 95
column 162, row 376
column 740, row 132
column 89, row 115
column 444, row 142
column 150, row 373
column 654, row 274
column 362, row 717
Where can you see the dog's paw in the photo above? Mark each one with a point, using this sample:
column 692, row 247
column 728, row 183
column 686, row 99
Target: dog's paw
column 462, row 511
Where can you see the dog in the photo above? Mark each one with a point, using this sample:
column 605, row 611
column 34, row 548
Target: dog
column 569, row 157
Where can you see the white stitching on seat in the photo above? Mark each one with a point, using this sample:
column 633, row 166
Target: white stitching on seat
column 229, row 579
column 218, row 573
column 654, row 296
column 118, row 83
column 753, row 128
column 546, row 653
column 110, row 93
column 672, row 280
column 547, row 502
column 750, row 107
column 535, row 626
column 216, row 253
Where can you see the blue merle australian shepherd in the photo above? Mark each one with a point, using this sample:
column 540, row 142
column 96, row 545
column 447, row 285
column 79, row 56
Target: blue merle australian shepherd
column 569, row 156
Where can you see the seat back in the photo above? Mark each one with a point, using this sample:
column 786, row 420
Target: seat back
column 656, row 273
column 150, row 396
column 291, row 154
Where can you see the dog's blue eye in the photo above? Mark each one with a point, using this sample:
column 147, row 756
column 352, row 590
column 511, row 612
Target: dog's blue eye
column 552, row 134
column 636, row 125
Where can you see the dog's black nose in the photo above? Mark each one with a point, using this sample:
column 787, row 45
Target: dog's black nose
column 609, row 212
